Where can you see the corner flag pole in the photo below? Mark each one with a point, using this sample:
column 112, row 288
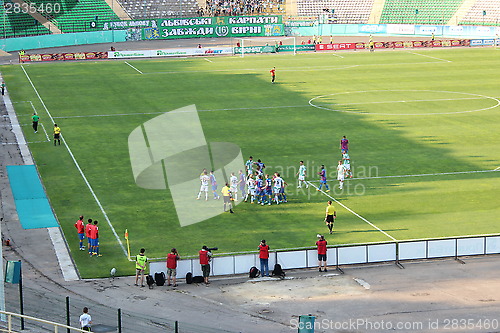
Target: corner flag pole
column 128, row 244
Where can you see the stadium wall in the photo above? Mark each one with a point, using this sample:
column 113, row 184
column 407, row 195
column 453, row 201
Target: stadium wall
column 46, row 41
column 345, row 255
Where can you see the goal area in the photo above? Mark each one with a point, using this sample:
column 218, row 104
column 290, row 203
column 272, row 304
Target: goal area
column 247, row 46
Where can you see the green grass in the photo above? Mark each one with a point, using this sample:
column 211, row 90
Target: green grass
column 391, row 97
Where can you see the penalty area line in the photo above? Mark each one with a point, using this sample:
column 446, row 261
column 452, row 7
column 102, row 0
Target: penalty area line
column 353, row 212
column 134, row 68
column 208, row 60
column 428, row 56
column 77, row 165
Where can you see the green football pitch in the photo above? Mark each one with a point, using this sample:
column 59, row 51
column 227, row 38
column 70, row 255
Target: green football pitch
column 423, row 126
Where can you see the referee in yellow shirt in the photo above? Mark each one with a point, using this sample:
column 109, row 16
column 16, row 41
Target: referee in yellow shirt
column 331, row 214
column 226, row 194
column 57, row 134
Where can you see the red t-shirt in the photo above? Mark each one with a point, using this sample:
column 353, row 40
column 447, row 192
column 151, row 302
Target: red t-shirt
column 264, row 251
column 80, row 227
column 203, row 257
column 321, row 246
column 172, row 260
column 94, row 232
column 273, row 72
column 88, row 228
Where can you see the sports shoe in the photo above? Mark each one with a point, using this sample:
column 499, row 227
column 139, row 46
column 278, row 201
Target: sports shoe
column 319, row 190
column 327, row 191
column 325, row 270
column 99, row 255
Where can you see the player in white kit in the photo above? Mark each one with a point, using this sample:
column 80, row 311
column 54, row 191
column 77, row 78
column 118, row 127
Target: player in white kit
column 204, row 179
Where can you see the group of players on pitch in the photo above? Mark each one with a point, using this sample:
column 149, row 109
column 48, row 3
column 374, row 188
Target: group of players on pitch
column 257, row 187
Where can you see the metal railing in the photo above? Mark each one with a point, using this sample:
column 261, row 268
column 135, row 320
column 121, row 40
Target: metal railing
column 10, row 316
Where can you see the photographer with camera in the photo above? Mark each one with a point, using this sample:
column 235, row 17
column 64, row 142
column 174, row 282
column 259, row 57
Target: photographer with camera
column 205, row 257
column 172, row 259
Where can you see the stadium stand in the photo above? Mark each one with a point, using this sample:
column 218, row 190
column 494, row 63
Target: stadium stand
column 78, row 15
column 337, row 11
column 482, row 12
column 20, row 25
column 148, row 9
column 243, row 7
column 419, row 11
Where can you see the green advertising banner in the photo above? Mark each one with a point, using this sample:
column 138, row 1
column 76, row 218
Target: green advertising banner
column 176, row 32
column 289, row 48
column 194, row 21
column 255, row 49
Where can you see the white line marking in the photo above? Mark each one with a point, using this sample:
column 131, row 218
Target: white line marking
column 421, row 175
column 134, row 67
column 161, row 112
column 78, row 166
column 62, row 254
column 413, row 101
column 41, row 124
column 337, row 55
column 208, row 60
column 363, row 283
column 354, row 213
column 428, row 56
column 293, row 69
column 403, row 114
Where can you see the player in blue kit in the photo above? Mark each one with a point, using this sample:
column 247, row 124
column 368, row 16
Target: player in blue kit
column 269, row 190
column 259, row 184
column 322, row 180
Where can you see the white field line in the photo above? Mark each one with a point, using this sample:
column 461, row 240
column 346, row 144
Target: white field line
column 420, row 175
column 78, row 166
column 428, row 56
column 268, row 107
column 208, row 60
column 161, row 112
column 289, row 69
column 338, row 55
column 43, row 127
column 134, row 67
column 354, row 213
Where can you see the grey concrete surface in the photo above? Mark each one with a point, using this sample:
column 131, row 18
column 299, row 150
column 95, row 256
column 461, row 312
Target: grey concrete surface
column 428, row 296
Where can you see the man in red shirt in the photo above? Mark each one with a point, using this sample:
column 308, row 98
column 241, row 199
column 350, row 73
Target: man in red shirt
column 80, row 229
column 264, row 258
column 321, row 243
column 172, row 258
column 205, row 256
column 273, row 74
column 88, row 227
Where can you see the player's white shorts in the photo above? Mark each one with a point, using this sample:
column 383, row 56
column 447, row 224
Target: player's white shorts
column 204, row 188
column 276, row 190
column 249, row 172
column 340, row 177
column 347, row 167
column 234, row 189
column 302, row 178
column 251, row 191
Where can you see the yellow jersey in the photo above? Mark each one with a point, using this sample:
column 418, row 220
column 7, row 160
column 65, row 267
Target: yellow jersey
column 330, row 210
column 57, row 130
column 225, row 191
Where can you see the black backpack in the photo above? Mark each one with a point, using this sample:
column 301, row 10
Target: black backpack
column 254, row 272
column 278, row 271
column 198, row 279
column 189, row 278
column 160, row 278
column 150, row 281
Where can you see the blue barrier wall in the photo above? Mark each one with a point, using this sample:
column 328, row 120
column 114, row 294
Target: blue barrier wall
column 46, row 41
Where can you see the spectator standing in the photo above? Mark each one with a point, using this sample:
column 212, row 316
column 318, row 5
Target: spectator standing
column 80, row 229
column 321, row 244
column 85, row 320
column 205, row 256
column 140, row 267
column 172, row 259
column 264, row 258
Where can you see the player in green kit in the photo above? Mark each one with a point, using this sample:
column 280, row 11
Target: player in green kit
column 346, row 162
column 302, row 175
column 35, row 119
